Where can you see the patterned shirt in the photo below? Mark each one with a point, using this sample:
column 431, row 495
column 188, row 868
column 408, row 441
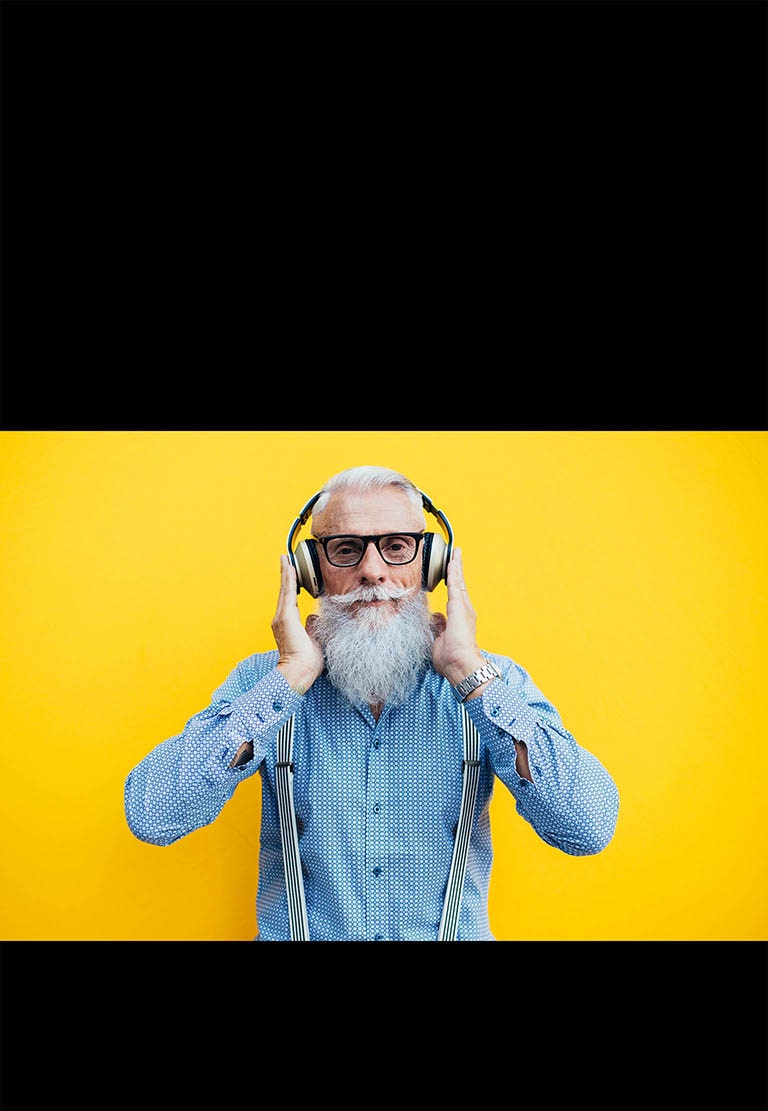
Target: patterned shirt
column 377, row 802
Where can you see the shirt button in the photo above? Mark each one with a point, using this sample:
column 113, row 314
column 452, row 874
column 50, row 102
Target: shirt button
column 379, row 937
column 376, row 807
column 376, row 744
column 495, row 711
column 377, row 871
column 277, row 707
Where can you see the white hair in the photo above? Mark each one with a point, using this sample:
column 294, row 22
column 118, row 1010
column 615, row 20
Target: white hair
column 375, row 656
column 362, row 480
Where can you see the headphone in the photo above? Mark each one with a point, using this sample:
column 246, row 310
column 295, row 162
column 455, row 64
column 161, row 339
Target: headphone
column 435, row 557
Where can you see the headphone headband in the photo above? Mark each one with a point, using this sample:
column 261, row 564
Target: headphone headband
column 300, row 521
column 430, row 508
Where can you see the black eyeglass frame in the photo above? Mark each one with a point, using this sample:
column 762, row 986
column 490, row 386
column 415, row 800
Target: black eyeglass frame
column 376, row 539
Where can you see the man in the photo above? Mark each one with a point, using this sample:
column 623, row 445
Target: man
column 361, row 725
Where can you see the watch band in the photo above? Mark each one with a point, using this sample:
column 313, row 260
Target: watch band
column 476, row 679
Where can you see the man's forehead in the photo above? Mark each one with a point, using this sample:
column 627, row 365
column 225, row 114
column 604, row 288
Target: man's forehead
column 378, row 511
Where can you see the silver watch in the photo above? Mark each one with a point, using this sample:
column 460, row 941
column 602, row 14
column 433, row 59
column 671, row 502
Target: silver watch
column 476, row 679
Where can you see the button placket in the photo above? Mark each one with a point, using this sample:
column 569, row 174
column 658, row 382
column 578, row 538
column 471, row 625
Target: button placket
column 375, row 836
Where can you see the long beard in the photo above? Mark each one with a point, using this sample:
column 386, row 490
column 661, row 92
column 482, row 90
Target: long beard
column 374, row 655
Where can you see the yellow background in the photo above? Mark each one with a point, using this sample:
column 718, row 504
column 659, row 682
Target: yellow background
column 625, row 570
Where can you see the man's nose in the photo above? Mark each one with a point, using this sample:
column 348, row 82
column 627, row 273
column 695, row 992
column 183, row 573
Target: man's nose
column 372, row 566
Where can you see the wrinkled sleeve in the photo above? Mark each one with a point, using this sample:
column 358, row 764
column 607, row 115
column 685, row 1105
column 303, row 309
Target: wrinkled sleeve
column 573, row 801
column 185, row 781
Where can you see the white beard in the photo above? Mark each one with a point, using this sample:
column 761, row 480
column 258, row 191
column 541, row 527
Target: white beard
column 375, row 655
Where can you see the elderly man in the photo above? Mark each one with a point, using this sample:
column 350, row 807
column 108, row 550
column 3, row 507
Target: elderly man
column 378, row 729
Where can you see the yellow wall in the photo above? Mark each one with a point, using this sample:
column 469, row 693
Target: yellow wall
column 625, row 570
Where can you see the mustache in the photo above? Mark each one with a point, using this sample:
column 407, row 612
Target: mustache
column 371, row 593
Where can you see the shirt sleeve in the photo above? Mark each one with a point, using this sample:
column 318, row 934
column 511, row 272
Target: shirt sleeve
column 573, row 801
column 185, row 781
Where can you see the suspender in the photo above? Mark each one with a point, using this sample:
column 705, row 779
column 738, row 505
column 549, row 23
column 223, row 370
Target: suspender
column 294, row 883
column 470, row 775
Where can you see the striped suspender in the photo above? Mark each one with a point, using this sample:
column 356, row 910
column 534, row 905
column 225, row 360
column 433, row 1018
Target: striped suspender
column 449, row 923
column 294, row 883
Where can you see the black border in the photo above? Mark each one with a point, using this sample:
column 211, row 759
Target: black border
column 368, row 215
column 607, row 1021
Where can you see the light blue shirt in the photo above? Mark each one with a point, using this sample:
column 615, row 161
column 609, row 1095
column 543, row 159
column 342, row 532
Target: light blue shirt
column 377, row 802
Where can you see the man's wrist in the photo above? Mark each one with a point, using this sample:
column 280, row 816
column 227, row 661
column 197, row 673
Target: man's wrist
column 298, row 678
column 458, row 671
column 475, row 680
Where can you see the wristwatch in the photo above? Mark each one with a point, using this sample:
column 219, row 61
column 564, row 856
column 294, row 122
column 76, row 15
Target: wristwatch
column 476, row 679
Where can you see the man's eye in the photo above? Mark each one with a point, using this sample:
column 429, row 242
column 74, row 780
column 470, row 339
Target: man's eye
column 344, row 549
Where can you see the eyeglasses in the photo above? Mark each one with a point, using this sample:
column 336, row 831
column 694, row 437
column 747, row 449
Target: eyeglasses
column 395, row 548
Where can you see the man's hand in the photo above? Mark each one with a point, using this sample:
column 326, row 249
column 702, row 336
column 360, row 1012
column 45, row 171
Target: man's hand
column 301, row 657
column 455, row 653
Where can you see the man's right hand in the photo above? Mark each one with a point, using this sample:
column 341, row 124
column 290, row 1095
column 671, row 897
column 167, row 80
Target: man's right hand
column 301, row 657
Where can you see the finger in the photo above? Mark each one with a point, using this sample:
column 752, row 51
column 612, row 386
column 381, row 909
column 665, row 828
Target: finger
column 288, row 589
column 455, row 576
column 288, row 571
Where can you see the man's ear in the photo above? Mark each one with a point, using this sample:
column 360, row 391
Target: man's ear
column 438, row 622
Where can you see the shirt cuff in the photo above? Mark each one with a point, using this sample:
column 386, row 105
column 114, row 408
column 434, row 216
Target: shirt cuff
column 263, row 707
column 504, row 710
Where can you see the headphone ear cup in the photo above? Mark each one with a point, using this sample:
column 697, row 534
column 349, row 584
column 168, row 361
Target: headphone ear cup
column 434, row 564
column 307, row 564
